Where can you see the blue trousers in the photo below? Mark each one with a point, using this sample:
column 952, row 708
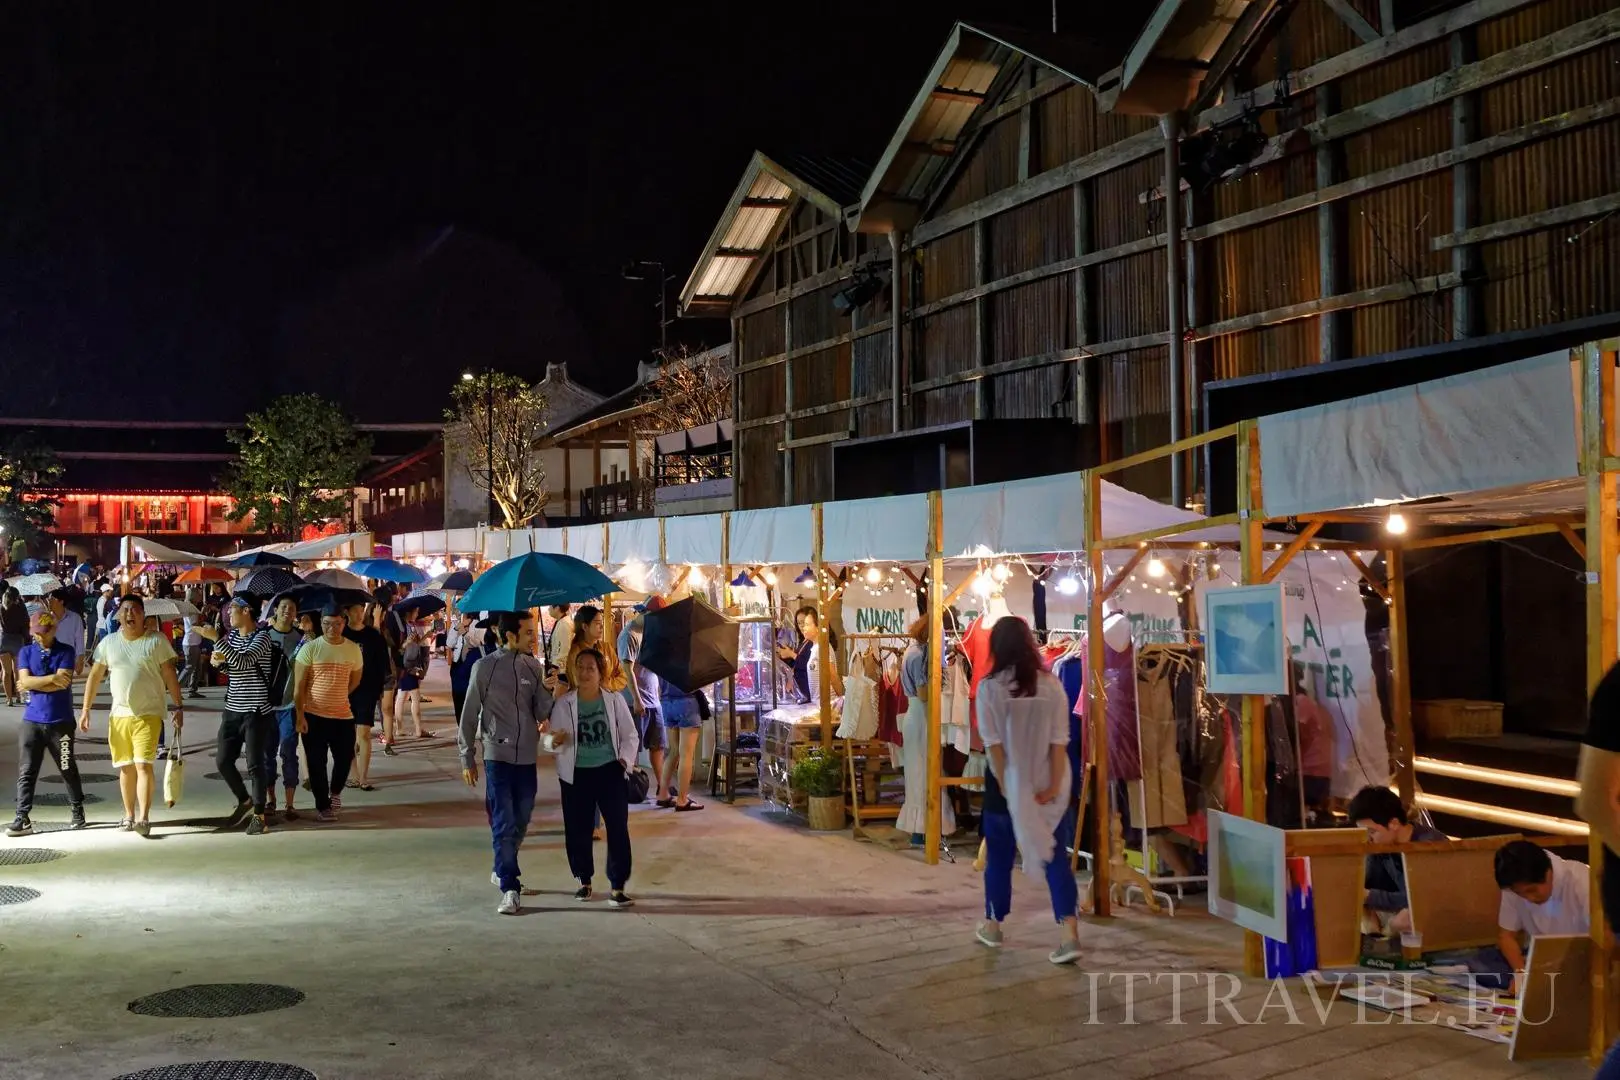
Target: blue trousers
column 1000, row 848
column 509, row 792
column 284, row 747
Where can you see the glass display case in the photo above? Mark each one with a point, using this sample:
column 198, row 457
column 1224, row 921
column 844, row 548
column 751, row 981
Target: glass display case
column 743, row 699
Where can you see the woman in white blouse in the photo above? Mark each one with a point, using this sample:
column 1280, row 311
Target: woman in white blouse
column 1024, row 722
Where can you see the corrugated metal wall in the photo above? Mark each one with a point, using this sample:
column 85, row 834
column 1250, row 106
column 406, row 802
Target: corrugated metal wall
column 1386, row 237
column 1571, row 271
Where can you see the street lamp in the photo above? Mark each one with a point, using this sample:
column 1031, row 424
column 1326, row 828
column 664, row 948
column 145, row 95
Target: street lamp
column 489, row 433
column 637, row 271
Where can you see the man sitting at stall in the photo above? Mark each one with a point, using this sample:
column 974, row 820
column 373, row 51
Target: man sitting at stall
column 1542, row 894
column 1379, row 811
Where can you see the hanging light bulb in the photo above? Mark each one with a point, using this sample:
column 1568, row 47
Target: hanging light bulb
column 1155, row 567
column 463, row 564
column 983, row 585
column 770, row 579
column 1068, row 585
column 1000, row 571
column 1395, row 524
column 873, row 575
column 808, row 577
column 695, row 577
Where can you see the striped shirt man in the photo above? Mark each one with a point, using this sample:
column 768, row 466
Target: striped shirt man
column 247, row 665
column 329, row 665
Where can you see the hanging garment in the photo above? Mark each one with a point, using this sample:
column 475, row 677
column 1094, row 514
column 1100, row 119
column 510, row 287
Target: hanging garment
column 891, row 703
column 860, row 716
column 1119, row 686
column 1157, row 797
column 914, row 811
column 955, row 723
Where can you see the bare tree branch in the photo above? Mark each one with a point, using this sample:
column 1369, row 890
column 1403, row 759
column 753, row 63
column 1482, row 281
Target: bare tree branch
column 496, row 445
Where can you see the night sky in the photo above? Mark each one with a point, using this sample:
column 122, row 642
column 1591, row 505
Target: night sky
column 205, row 205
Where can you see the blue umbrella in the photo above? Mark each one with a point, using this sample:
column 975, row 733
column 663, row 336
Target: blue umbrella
column 535, row 580
column 455, row 581
column 387, row 570
column 258, row 558
column 418, row 607
column 33, row 566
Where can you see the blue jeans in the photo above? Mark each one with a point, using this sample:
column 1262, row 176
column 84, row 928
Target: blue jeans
column 509, row 792
column 1610, row 1069
column 1000, row 848
column 285, row 747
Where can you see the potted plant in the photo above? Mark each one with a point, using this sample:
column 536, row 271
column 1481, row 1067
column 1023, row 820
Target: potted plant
column 821, row 778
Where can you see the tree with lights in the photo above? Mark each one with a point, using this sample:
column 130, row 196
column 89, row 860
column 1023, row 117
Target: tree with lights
column 693, row 388
column 491, row 427
column 26, row 468
column 296, row 465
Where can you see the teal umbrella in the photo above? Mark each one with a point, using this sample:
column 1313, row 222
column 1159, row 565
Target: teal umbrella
column 536, row 580
column 387, row 570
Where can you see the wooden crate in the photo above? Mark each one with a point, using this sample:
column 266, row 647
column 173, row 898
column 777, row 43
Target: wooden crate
column 1456, row 718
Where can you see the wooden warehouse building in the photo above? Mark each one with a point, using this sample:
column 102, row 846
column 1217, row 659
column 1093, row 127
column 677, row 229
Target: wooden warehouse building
column 1349, row 178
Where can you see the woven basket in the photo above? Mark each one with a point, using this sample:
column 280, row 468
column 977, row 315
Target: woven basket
column 826, row 813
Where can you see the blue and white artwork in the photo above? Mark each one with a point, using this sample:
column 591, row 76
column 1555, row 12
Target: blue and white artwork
column 1246, row 642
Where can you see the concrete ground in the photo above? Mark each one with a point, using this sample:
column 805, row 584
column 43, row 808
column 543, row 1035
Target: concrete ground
column 757, row 950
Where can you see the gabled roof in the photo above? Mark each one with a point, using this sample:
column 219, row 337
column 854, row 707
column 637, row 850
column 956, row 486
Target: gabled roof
column 755, row 213
column 958, row 89
column 1184, row 47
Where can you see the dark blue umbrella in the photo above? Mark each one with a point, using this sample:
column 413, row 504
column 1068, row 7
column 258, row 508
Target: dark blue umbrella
column 387, row 570
column 33, row 566
column 258, row 558
column 315, row 596
column 268, row 581
column 535, row 580
column 455, row 581
column 419, row 607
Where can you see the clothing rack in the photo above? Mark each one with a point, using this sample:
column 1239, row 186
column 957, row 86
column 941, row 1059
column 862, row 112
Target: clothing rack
column 1148, row 856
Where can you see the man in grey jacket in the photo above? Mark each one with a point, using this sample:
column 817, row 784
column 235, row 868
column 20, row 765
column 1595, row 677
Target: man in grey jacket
column 507, row 705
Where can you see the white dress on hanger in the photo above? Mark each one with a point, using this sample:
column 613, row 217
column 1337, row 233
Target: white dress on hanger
column 914, row 753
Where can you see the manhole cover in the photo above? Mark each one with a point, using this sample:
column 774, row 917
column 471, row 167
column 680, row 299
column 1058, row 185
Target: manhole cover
column 26, row 855
column 223, row 1070
column 60, row 798
column 217, row 999
column 16, row 894
column 84, row 778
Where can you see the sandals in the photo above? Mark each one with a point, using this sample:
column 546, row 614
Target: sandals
column 365, row 787
column 388, row 748
column 689, row 804
column 665, row 803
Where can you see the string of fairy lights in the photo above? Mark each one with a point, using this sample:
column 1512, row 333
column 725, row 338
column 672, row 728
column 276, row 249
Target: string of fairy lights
column 1169, row 574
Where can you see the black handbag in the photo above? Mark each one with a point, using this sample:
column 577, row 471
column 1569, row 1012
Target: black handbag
column 636, row 785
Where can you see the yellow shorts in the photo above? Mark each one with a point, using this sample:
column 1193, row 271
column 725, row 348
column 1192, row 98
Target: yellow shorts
column 133, row 740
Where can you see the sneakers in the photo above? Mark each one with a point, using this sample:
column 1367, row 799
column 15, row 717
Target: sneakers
column 989, row 935
column 238, row 812
column 619, row 898
column 21, row 827
column 78, row 822
column 256, row 825
column 511, row 903
column 144, row 828
column 326, row 816
column 583, row 893
column 495, row 879
column 1066, row 953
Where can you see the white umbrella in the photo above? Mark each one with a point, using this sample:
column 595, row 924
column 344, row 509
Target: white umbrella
column 171, row 609
column 338, row 579
column 35, row 584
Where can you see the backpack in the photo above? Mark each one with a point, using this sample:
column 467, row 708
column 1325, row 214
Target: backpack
column 280, row 672
column 415, row 659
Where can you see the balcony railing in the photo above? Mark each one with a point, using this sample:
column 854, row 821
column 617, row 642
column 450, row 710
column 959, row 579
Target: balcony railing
column 627, row 498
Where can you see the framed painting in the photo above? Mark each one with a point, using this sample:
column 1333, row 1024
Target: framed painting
column 1246, row 640
column 1248, row 874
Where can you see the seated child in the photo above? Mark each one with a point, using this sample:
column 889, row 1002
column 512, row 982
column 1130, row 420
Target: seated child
column 1379, row 811
column 1541, row 894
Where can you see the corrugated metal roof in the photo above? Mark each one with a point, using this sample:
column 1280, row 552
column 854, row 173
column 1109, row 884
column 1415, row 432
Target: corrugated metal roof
column 959, row 86
column 756, row 212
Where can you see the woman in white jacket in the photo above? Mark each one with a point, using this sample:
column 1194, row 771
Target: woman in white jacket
column 596, row 742
column 1024, row 721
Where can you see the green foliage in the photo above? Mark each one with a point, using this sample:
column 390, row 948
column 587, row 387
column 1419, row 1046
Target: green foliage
column 297, row 462
column 491, row 427
column 818, row 774
column 26, row 469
